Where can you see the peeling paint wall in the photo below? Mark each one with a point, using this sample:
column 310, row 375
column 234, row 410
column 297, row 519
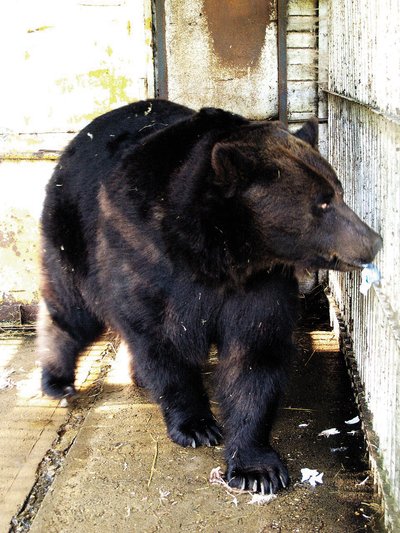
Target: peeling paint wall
column 63, row 62
column 69, row 61
column 22, row 191
column 364, row 147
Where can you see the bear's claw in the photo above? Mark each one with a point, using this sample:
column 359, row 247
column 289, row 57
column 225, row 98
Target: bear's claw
column 267, row 477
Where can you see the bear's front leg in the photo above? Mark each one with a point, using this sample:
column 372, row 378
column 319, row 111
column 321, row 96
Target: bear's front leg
column 254, row 352
column 249, row 396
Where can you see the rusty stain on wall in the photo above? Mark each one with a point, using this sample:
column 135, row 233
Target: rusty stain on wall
column 237, row 29
column 202, row 68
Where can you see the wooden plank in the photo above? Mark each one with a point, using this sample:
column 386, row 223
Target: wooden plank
column 303, row 8
column 304, row 56
column 301, row 72
column 302, row 97
column 302, row 23
column 302, row 59
column 305, row 39
column 298, row 117
column 29, row 420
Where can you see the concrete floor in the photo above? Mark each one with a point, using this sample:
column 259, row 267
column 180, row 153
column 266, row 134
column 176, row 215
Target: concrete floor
column 105, row 463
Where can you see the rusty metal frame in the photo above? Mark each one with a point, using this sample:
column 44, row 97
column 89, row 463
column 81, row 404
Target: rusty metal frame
column 282, row 62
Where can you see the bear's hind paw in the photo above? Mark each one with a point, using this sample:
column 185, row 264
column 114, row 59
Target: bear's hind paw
column 56, row 387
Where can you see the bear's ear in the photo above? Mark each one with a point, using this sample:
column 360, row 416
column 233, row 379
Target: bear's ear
column 309, row 132
column 231, row 166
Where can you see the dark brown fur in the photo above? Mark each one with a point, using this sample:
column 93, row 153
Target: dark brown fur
column 181, row 229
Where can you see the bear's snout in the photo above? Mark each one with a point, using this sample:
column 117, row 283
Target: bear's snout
column 356, row 243
column 376, row 245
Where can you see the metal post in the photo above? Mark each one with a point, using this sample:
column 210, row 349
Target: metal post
column 282, row 61
column 159, row 50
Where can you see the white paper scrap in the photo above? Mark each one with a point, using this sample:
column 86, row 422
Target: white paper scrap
column 216, row 475
column 354, row 420
column 328, row 432
column 261, row 499
column 311, row 476
column 5, row 381
column 370, row 275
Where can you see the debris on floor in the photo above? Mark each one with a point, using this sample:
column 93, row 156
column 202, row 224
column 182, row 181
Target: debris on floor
column 311, row 476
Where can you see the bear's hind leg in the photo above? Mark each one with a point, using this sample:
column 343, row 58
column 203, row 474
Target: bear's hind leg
column 62, row 336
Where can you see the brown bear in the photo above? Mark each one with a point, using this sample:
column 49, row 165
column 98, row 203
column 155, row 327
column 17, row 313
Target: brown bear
column 182, row 229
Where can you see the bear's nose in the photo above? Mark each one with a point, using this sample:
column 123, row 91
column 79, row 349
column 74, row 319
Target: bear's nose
column 377, row 244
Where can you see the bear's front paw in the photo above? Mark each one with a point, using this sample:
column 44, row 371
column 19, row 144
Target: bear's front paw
column 195, row 432
column 264, row 473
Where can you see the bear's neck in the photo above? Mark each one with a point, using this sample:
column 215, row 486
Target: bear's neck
column 215, row 238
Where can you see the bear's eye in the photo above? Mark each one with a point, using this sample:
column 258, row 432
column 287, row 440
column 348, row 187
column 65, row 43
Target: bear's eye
column 323, row 202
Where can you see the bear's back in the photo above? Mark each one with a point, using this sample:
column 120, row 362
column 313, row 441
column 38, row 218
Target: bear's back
column 71, row 208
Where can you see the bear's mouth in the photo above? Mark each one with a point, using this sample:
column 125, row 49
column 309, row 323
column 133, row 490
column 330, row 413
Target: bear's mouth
column 335, row 262
column 330, row 262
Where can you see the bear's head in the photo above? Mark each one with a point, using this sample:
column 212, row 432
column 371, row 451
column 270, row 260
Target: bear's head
column 295, row 199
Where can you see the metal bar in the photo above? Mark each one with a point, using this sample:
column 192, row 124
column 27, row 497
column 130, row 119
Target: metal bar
column 159, row 50
column 302, row 120
column 282, row 61
column 391, row 118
